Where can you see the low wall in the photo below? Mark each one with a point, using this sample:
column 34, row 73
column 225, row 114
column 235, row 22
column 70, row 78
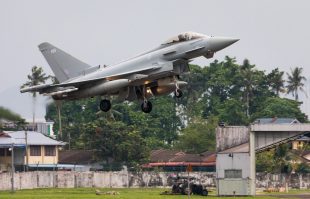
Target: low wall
column 71, row 179
column 297, row 181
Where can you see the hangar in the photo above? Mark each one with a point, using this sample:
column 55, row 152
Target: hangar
column 236, row 147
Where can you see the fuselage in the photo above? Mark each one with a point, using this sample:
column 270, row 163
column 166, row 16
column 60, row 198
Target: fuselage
column 184, row 47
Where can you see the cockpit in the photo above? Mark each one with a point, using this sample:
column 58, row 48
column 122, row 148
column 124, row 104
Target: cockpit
column 184, row 37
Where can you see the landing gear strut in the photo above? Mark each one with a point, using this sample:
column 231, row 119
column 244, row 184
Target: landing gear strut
column 178, row 93
column 146, row 106
column 105, row 105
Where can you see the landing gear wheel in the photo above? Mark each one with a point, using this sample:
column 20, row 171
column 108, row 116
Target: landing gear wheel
column 178, row 93
column 146, row 106
column 105, row 105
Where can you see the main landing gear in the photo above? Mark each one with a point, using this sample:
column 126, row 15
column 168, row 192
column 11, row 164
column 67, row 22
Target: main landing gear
column 105, row 105
column 146, row 106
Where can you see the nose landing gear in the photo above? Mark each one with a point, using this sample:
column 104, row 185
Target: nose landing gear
column 105, row 105
column 178, row 93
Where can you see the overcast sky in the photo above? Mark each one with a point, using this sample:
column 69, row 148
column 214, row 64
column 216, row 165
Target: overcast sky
column 272, row 34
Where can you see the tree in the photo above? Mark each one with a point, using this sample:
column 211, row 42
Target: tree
column 280, row 107
column 120, row 142
column 36, row 77
column 265, row 161
column 276, row 81
column 232, row 113
column 249, row 81
column 295, row 82
column 198, row 136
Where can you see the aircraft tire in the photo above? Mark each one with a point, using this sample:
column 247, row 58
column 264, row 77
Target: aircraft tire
column 146, row 107
column 178, row 93
column 105, row 105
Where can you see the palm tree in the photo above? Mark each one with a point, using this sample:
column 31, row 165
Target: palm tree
column 58, row 104
column 295, row 82
column 36, row 77
column 276, row 81
column 248, row 76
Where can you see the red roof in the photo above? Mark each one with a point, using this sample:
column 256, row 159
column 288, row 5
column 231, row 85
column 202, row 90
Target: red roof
column 163, row 157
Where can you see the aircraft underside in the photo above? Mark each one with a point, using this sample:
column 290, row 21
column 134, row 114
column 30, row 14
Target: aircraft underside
column 142, row 92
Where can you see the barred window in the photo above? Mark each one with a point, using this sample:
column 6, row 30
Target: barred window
column 2, row 152
column 50, row 151
column 35, row 150
column 233, row 173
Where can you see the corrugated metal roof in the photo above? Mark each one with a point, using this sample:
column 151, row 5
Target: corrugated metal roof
column 33, row 138
column 76, row 156
column 242, row 148
column 276, row 121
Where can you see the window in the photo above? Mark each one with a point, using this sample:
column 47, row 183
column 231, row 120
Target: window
column 2, row 152
column 35, row 150
column 184, row 37
column 50, row 151
column 8, row 152
column 233, row 173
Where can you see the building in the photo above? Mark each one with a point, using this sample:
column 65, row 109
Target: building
column 306, row 155
column 42, row 151
column 173, row 160
column 80, row 159
column 40, row 125
column 276, row 120
column 300, row 143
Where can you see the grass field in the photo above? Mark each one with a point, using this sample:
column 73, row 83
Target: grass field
column 133, row 193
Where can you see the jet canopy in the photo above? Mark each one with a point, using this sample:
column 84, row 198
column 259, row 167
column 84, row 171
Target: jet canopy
column 184, row 37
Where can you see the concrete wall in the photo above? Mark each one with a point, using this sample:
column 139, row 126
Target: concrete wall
column 69, row 179
column 297, row 181
column 235, row 161
column 231, row 136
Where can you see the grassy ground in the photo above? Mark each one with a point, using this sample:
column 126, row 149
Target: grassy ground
column 90, row 193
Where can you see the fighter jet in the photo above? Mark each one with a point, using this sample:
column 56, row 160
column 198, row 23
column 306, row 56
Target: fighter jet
column 152, row 73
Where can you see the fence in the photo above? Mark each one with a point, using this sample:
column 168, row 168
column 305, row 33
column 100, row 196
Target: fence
column 71, row 179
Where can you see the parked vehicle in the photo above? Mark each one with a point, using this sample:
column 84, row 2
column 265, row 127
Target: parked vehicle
column 180, row 186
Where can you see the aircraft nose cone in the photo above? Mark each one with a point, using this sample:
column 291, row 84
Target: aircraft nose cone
column 218, row 43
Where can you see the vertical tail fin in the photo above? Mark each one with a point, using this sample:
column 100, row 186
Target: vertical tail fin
column 62, row 64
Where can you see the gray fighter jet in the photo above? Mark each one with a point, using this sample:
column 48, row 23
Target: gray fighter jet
column 155, row 72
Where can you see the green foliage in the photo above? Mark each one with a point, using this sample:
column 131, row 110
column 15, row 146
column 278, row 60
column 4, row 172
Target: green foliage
column 198, row 136
column 232, row 112
column 281, row 160
column 9, row 115
column 276, row 81
column 280, row 107
column 6, row 114
column 36, row 77
column 265, row 161
column 303, row 168
column 295, row 82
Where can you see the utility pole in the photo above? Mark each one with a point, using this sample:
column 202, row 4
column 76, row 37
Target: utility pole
column 12, row 167
column 26, row 148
